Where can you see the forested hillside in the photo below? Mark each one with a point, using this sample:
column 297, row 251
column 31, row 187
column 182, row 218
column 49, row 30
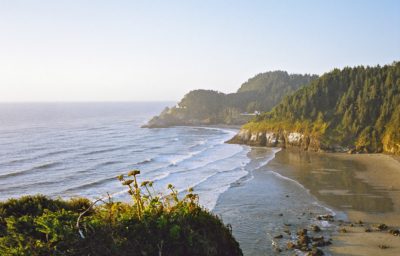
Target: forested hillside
column 260, row 93
column 356, row 108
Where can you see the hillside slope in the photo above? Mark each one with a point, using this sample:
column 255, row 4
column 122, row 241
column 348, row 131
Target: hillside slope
column 207, row 107
column 355, row 109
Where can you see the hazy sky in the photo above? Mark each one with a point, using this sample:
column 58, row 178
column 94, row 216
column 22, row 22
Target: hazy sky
column 159, row 50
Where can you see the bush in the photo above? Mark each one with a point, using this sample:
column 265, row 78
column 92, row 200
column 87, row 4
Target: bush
column 151, row 225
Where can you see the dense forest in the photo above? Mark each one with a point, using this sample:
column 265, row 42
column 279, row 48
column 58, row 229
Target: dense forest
column 260, row 93
column 354, row 107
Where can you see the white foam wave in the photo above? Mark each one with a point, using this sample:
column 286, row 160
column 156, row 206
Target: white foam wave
column 269, row 158
column 209, row 196
column 291, row 180
column 331, row 211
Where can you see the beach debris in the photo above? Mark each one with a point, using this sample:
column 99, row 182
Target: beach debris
column 303, row 240
column 368, row 230
column 326, row 217
column 290, row 245
column 317, row 238
column 315, row 228
column 278, row 236
column 302, row 232
column 315, row 252
column 307, row 243
column 360, row 222
column 281, row 214
column 287, row 224
column 276, row 246
column 287, row 195
column 381, row 227
column 343, row 230
column 395, row 232
column 321, row 243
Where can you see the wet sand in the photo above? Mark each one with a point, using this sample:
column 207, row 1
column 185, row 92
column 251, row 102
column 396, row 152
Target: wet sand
column 265, row 205
column 362, row 187
column 383, row 173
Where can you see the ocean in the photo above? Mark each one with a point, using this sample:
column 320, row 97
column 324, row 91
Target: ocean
column 78, row 150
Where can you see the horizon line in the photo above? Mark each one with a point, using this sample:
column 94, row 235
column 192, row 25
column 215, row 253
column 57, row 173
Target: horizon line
column 89, row 101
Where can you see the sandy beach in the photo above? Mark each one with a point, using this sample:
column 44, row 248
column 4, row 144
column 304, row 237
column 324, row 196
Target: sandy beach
column 383, row 173
column 359, row 187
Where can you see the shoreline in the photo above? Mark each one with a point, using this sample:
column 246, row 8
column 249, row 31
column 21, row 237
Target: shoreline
column 356, row 241
column 365, row 187
column 382, row 172
column 266, row 211
column 352, row 185
column 366, row 170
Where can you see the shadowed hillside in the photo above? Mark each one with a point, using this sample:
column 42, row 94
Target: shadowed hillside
column 205, row 107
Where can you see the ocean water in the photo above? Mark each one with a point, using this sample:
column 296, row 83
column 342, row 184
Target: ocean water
column 78, row 149
column 268, row 205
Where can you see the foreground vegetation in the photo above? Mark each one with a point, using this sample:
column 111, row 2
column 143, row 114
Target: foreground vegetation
column 354, row 107
column 152, row 225
column 260, row 93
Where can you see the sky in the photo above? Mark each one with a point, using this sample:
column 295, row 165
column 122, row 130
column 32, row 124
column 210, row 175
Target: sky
column 80, row 50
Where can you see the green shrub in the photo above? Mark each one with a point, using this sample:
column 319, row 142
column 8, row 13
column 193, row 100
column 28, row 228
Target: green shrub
column 152, row 225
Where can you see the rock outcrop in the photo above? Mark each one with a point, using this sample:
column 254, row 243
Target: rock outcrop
column 284, row 139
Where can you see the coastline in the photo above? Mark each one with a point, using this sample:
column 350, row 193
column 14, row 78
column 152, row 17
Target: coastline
column 362, row 187
column 374, row 199
column 266, row 210
column 382, row 172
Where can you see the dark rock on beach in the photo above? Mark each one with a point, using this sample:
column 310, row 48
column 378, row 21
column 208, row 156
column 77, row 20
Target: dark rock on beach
column 381, row 227
column 395, row 232
column 316, row 252
column 315, row 228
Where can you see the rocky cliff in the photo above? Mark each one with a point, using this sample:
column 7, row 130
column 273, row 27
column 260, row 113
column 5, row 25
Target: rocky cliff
column 285, row 139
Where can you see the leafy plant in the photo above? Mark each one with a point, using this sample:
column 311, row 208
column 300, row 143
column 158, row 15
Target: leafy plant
column 152, row 224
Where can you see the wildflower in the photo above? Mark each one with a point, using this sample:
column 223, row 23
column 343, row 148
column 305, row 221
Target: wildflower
column 133, row 173
column 190, row 190
column 127, row 182
column 120, row 177
column 170, row 186
column 144, row 183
